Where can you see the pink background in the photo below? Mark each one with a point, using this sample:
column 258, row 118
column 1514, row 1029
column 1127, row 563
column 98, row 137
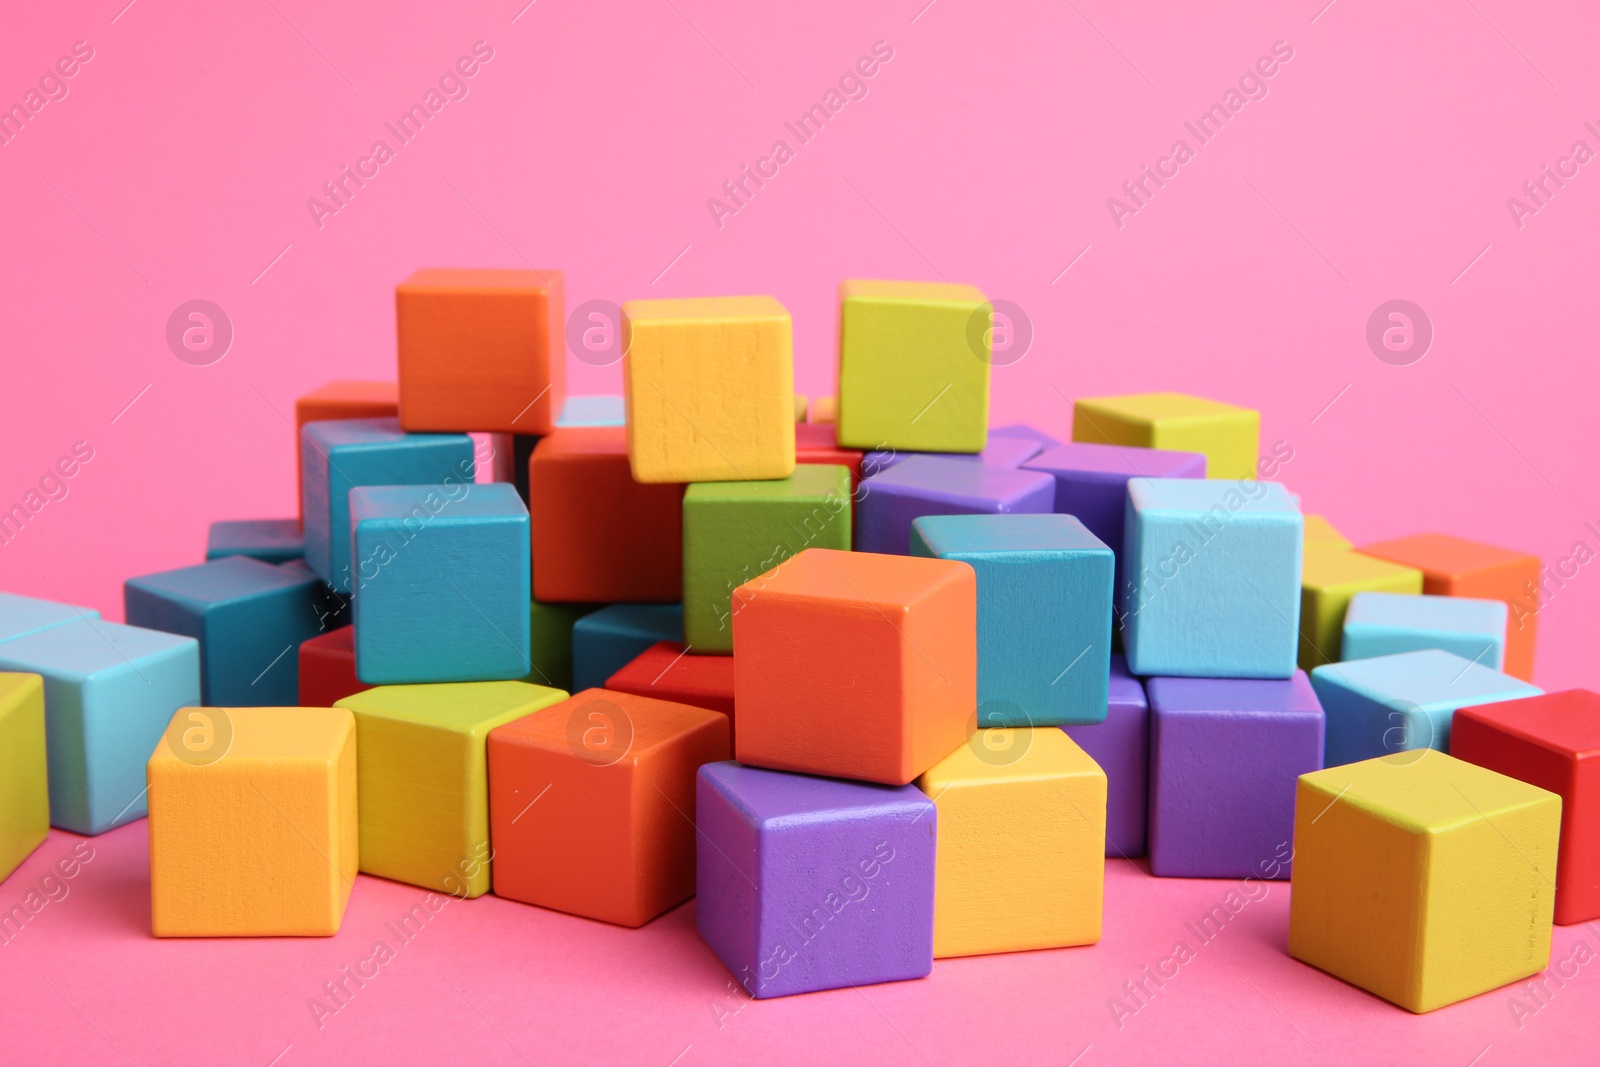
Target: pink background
column 1378, row 166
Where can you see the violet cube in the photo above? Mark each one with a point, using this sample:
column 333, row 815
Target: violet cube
column 1009, row 450
column 1225, row 754
column 1092, row 483
column 1121, row 745
column 809, row 883
column 1026, row 432
column 888, row 501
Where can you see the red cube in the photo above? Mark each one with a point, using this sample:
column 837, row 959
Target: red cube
column 667, row 671
column 328, row 668
column 818, row 442
column 1551, row 741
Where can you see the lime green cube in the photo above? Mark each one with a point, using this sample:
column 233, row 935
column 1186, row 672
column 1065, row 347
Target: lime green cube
column 24, row 792
column 734, row 532
column 913, row 366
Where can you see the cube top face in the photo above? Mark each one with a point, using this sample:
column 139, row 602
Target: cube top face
column 396, row 504
column 1292, row 697
column 435, row 280
column 899, row 292
column 1025, row 432
column 666, row 671
column 1448, row 558
column 1566, row 723
column 22, row 615
column 463, row 707
column 1319, row 531
column 269, row 540
column 220, row 581
column 87, row 648
column 14, row 684
column 1430, row 680
column 663, row 622
column 340, row 641
column 997, row 756
column 976, row 486
column 1006, row 537
column 777, row 799
column 1005, row 451
column 1195, row 497
column 341, row 433
column 1227, row 435
column 1117, row 462
column 695, row 311
column 1149, row 407
column 1125, row 689
column 1426, row 791
column 1442, row 614
column 810, row 483
column 860, row 581
column 244, row 735
column 573, row 441
column 602, row 726
column 1325, row 567
column 605, row 410
column 348, row 399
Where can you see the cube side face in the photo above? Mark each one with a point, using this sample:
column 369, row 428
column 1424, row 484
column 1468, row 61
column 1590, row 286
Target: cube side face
column 120, row 717
column 664, row 794
column 1229, row 441
column 940, row 657
column 727, row 905
column 1121, row 747
column 1368, row 640
column 243, row 662
column 909, row 377
column 24, row 785
column 1330, row 578
column 1033, row 615
column 609, row 639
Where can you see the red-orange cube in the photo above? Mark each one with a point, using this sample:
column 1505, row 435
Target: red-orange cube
column 341, row 400
column 856, row 665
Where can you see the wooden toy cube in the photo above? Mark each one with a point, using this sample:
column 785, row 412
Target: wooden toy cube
column 855, row 665
column 734, row 532
column 252, row 822
column 1044, row 613
column 1211, row 578
column 423, row 774
column 442, row 585
column 1228, row 436
column 481, row 350
column 1553, row 742
column 1454, row 566
column 802, row 404
column 823, row 410
column 932, row 485
column 709, row 389
column 598, row 535
column 913, row 366
column 1022, row 836
column 1319, row 531
column 269, row 540
column 328, row 668
column 1007, row 452
column 1402, row 702
column 813, row 883
column 522, row 446
column 668, row 671
column 1027, row 433
column 339, row 400
column 607, row 640
column 1421, row 878
column 109, row 691
column 1382, row 624
column 24, row 615
column 1329, row 577
column 592, row 804
column 1092, row 484
column 608, row 410
column 24, row 786
column 341, row 455
column 1224, row 757
column 551, row 628
column 1120, row 746
column 818, row 442
column 248, row 616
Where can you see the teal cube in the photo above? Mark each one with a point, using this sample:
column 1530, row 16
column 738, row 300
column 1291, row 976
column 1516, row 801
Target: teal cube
column 269, row 540
column 441, row 584
column 1044, row 613
column 1383, row 624
column 736, row 531
column 1211, row 578
column 608, row 640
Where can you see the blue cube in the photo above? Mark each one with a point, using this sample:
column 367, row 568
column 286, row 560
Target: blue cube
column 442, row 585
column 1044, row 613
column 605, row 641
column 24, row 615
column 1382, row 624
column 340, row 454
column 269, row 540
column 109, row 693
column 1402, row 702
column 249, row 618
column 937, row 485
column 1211, row 578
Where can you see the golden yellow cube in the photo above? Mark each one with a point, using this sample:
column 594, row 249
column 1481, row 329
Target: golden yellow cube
column 1228, row 436
column 1319, row 531
column 708, row 386
column 1329, row 577
column 1422, row 878
column 253, row 827
column 1022, row 841
column 24, row 786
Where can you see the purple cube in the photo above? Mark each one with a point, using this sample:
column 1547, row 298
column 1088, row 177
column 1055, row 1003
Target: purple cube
column 1026, row 433
column 1003, row 450
column 1121, row 745
column 934, row 485
column 813, row 883
column 1224, row 757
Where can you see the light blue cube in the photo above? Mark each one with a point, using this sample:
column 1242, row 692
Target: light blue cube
column 339, row 454
column 605, row 410
column 1403, row 702
column 605, row 641
column 1211, row 578
column 442, row 583
column 24, row 615
column 109, row 692
column 1044, row 613
column 1382, row 624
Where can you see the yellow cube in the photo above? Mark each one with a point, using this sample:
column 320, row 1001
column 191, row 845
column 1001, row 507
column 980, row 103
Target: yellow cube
column 1228, row 436
column 1422, row 878
column 424, row 777
column 24, row 787
column 1329, row 577
column 1022, row 842
column 802, row 404
column 708, row 386
column 913, row 366
column 252, row 822
column 1319, row 531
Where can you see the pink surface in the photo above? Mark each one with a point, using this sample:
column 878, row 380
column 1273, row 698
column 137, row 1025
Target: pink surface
column 1378, row 166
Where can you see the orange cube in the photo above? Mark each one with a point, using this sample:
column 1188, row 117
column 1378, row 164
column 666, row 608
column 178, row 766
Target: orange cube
column 598, row 535
column 1454, row 566
column 856, row 665
column 341, row 400
column 591, row 804
column 481, row 350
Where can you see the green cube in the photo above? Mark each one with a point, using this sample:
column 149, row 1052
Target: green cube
column 736, row 531
column 550, row 647
column 913, row 366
